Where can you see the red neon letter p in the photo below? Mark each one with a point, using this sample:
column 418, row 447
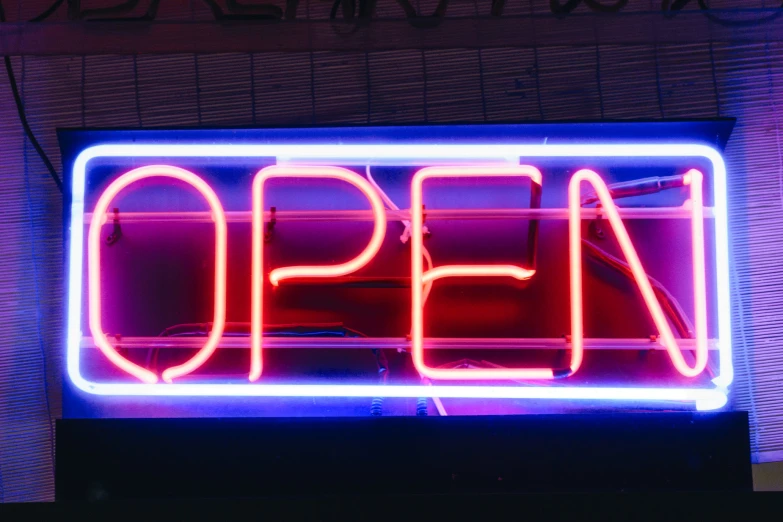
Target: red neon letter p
column 290, row 272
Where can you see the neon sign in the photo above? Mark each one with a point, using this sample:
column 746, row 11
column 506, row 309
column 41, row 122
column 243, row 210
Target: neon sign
column 345, row 163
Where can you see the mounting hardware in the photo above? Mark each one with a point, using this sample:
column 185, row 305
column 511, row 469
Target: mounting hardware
column 595, row 227
column 117, row 231
column 425, row 230
column 644, row 354
column 117, row 347
column 560, row 356
column 270, row 227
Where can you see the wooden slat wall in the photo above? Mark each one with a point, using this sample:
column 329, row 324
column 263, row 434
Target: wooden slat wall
column 693, row 81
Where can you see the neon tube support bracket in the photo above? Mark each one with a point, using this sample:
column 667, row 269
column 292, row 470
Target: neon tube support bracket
column 270, row 227
column 595, row 225
column 116, row 233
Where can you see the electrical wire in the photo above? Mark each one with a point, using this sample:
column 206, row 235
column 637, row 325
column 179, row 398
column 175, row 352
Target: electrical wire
column 410, row 11
column 29, row 133
column 669, row 303
column 115, row 10
column 674, row 6
column 243, row 330
column 636, row 188
column 240, row 11
column 427, row 257
column 738, row 23
column 594, row 5
column 598, row 7
column 49, row 11
column 235, row 6
column 406, row 234
column 23, row 117
column 113, row 14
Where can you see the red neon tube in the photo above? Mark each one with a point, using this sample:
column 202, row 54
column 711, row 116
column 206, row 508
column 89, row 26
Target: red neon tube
column 280, row 274
column 419, row 277
column 94, row 266
column 694, row 180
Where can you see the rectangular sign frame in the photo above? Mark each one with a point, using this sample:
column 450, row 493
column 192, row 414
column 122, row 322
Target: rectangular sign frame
column 704, row 398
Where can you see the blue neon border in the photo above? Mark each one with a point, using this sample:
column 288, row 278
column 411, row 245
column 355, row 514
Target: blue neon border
column 704, row 398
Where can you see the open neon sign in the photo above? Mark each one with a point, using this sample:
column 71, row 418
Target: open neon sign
column 477, row 160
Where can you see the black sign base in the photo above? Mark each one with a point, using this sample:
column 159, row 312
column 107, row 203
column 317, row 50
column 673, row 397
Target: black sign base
column 124, row 459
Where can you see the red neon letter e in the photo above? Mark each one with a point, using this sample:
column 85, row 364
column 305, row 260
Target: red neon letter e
column 419, row 277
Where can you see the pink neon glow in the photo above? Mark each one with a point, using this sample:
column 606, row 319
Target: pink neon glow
column 419, row 277
column 694, row 179
column 477, row 271
column 94, row 266
column 280, row 274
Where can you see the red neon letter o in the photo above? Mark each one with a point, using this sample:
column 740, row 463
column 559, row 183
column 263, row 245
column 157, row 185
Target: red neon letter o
column 94, row 266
